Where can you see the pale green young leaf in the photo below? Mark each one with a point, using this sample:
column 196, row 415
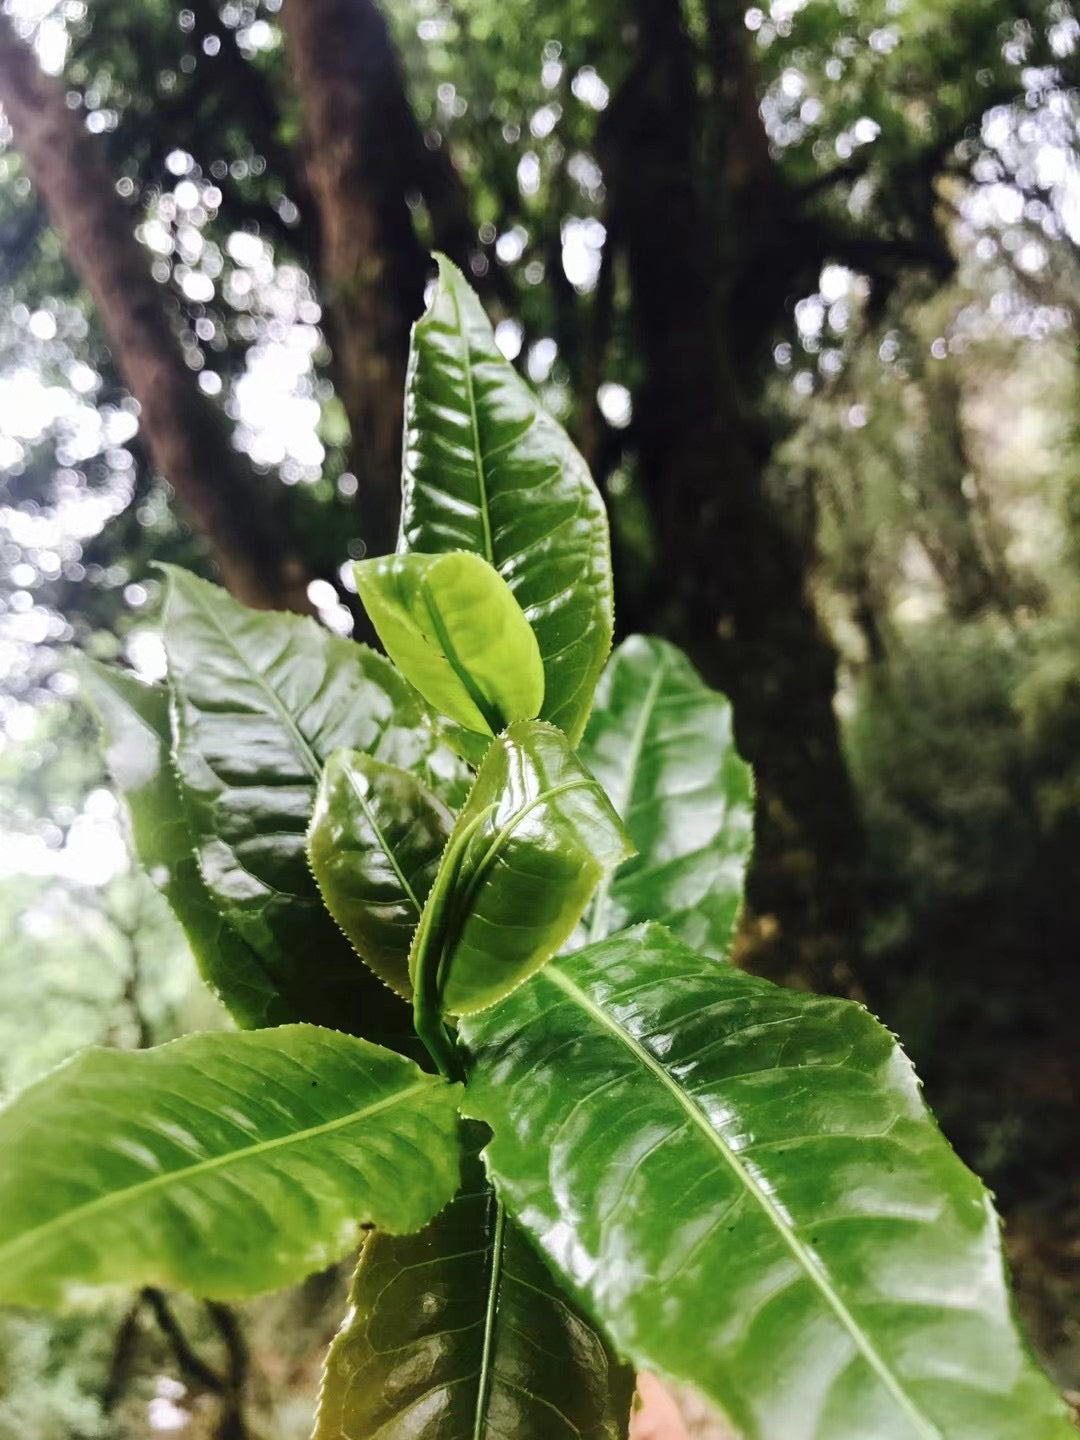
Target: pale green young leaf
column 534, row 839
column 375, row 842
column 261, row 700
column 134, row 721
column 461, row 1333
column 486, row 469
column 451, row 625
column 224, row 1164
column 743, row 1186
column 660, row 742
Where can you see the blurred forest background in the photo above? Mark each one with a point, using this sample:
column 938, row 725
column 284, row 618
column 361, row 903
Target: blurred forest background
column 803, row 281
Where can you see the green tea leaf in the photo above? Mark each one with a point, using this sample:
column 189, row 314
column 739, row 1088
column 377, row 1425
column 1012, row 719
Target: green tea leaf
column 224, row 1164
column 660, row 742
column 744, row 1187
column 134, row 720
column 460, row 1333
column 487, row 469
column 453, row 628
column 534, row 839
column 261, row 700
column 375, row 842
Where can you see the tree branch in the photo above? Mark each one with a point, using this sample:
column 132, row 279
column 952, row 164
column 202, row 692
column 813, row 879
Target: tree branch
column 192, row 1367
column 851, row 170
column 122, row 1359
column 233, row 1425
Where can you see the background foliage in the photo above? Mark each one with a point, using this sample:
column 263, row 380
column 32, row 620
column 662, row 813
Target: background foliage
column 801, row 279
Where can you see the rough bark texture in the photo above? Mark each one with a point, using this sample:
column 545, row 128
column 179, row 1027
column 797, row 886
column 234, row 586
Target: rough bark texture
column 733, row 588
column 360, row 147
column 187, row 435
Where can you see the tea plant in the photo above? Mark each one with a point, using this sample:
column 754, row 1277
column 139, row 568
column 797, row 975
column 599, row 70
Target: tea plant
column 469, row 907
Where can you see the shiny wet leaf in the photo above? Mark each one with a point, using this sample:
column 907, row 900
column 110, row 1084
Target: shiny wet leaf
column 534, row 839
column 261, row 702
column 134, row 721
column 453, row 628
column 743, row 1186
column 223, row 1164
column 376, row 839
column 660, row 742
column 486, row 469
column 460, row 1333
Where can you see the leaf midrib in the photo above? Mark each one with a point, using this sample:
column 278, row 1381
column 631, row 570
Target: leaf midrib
column 311, row 760
column 487, row 1357
column 807, row 1263
column 488, row 712
column 202, row 1167
column 369, row 816
column 503, row 835
column 460, row 914
column 474, row 420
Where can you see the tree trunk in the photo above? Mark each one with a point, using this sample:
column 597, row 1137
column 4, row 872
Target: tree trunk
column 360, row 138
column 733, row 587
column 187, row 436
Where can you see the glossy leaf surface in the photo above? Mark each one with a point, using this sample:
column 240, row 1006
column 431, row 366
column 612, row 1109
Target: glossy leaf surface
column 460, row 1333
column 224, row 1164
column 453, row 628
column 134, row 720
column 487, row 469
column 660, row 742
column 376, row 839
column 535, row 837
column 744, row 1186
column 261, row 701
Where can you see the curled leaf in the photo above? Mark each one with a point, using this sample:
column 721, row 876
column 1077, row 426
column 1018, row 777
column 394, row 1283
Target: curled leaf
column 453, row 628
column 535, row 838
column 375, row 841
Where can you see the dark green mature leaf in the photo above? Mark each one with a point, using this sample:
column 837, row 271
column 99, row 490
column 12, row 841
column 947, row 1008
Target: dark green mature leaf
column 224, row 1164
column 261, row 701
column 375, row 842
column 744, row 1186
column 660, row 742
column 487, row 469
column 534, row 839
column 453, row 628
column 460, row 1333
column 135, row 726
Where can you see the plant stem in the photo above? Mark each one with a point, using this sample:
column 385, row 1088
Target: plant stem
column 438, row 1043
column 432, row 939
